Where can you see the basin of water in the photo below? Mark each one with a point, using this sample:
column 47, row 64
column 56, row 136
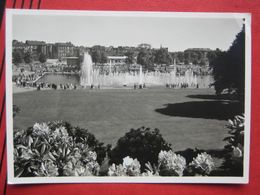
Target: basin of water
column 91, row 76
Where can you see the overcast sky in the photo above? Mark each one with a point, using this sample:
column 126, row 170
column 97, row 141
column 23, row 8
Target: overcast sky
column 177, row 34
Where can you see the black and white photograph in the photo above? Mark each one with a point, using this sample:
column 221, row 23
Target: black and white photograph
column 138, row 97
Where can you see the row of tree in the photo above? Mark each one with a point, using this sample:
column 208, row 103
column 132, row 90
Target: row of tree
column 27, row 57
column 149, row 57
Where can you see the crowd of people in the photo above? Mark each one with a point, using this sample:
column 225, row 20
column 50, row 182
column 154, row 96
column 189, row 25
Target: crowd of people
column 139, row 86
column 66, row 86
column 182, row 85
column 22, row 80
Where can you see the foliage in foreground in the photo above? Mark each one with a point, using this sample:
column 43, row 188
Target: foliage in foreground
column 233, row 163
column 58, row 149
column 169, row 164
column 142, row 143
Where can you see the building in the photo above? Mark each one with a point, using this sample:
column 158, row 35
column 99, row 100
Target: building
column 49, row 51
column 116, row 60
column 62, row 50
column 35, row 48
column 144, row 46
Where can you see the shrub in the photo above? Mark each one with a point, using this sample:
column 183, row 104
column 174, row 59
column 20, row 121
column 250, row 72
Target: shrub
column 202, row 165
column 80, row 134
column 130, row 167
column 171, row 164
column 55, row 149
column 142, row 143
column 233, row 163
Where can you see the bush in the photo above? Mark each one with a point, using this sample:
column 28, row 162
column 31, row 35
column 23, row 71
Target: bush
column 80, row 134
column 171, row 164
column 142, row 143
column 233, row 163
column 56, row 149
column 202, row 165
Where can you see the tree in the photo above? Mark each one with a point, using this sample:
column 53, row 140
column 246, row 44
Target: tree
column 212, row 55
column 96, row 56
column 162, row 56
column 103, row 57
column 42, row 58
column 17, row 57
column 27, row 57
column 99, row 56
column 146, row 59
column 130, row 57
column 229, row 67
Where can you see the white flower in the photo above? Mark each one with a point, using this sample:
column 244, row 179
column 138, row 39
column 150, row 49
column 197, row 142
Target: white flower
column 162, row 155
column 60, row 132
column 41, row 128
column 172, row 162
column 77, row 169
column 48, row 168
column 92, row 156
column 131, row 166
column 116, row 170
column 127, row 161
column 203, row 162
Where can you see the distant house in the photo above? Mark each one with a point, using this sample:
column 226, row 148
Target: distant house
column 116, row 60
column 144, row 46
column 62, row 50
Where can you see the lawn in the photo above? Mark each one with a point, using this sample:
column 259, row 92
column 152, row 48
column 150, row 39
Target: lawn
column 186, row 117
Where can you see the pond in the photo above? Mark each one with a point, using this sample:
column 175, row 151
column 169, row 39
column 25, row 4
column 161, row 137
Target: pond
column 60, row 78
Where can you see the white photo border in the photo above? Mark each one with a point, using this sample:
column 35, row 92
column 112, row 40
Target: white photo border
column 105, row 179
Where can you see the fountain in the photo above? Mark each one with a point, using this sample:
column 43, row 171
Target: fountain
column 140, row 76
column 91, row 76
column 86, row 76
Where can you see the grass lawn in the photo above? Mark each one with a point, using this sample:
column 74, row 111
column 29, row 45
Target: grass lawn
column 186, row 117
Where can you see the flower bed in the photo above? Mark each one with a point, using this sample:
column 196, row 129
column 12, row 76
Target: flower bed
column 56, row 149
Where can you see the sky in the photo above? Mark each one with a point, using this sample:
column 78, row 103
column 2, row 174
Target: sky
column 177, row 34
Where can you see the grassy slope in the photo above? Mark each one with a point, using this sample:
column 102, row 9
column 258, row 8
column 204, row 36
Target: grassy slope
column 109, row 114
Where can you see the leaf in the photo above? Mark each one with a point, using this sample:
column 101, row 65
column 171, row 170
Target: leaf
column 35, row 142
column 30, row 141
column 43, row 149
column 18, row 172
column 55, row 153
column 230, row 122
column 64, row 151
column 68, row 151
column 36, row 152
column 21, row 146
column 52, row 157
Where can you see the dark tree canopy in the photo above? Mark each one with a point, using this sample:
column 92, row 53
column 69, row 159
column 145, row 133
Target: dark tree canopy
column 229, row 67
column 130, row 57
column 162, row 56
column 42, row 58
column 27, row 57
column 103, row 58
column 146, row 59
column 17, row 57
column 99, row 56
column 96, row 56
